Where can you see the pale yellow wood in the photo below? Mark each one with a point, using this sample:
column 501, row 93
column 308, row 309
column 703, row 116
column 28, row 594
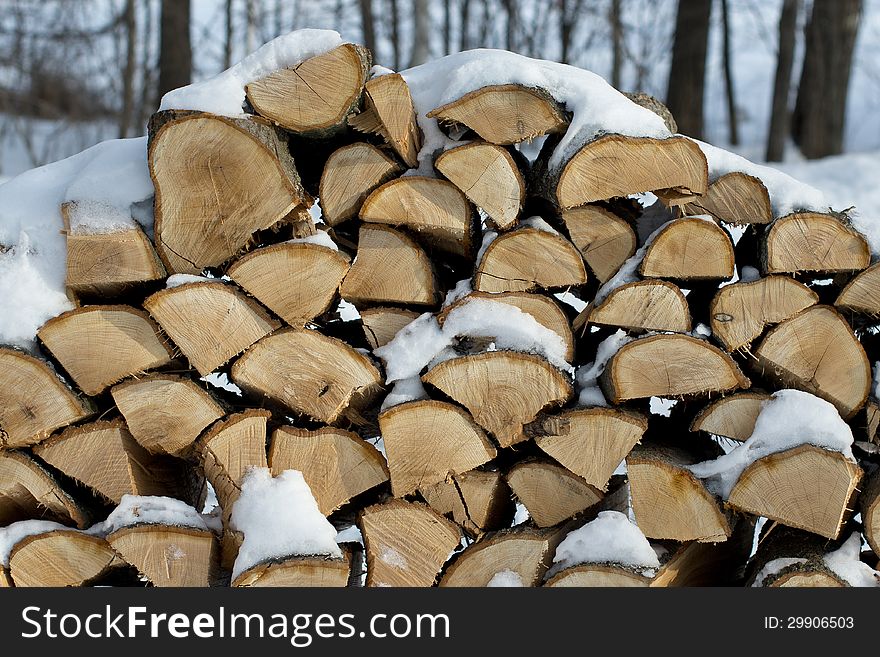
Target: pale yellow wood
column 478, row 500
column 810, row 241
column 432, row 208
column 428, row 441
column 296, row 572
column 733, row 416
column 389, row 112
column 817, row 351
column 525, row 552
column 806, row 487
column 34, row 400
column 690, row 249
column 488, row 175
column 382, row 323
column 165, row 413
column 549, row 492
column 309, row 373
column 407, row 543
column 615, row 165
column 5, row 579
column 593, row 575
column 503, row 390
column 100, row 345
column 739, row 313
column 807, row 580
column 316, row 94
column 336, row 464
column 59, row 558
column 862, row 293
column 605, row 240
column 29, row 491
column 650, row 305
column 528, row 258
column 350, row 175
column 168, row 555
column 735, row 198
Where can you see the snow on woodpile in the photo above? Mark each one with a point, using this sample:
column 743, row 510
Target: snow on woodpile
column 18, row 531
column 587, row 376
column 150, row 510
column 845, row 563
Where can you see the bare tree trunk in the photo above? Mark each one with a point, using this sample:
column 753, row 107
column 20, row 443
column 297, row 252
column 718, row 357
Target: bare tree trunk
column 447, row 27
column 421, row 32
column 251, row 31
column 367, row 25
column 733, row 131
column 148, row 71
column 465, row 41
column 779, row 114
column 127, row 112
column 510, row 35
column 616, row 43
column 227, row 45
column 820, row 110
column 687, row 74
column 175, row 51
column 395, row 32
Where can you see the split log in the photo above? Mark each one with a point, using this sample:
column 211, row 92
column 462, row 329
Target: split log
column 406, row 543
column 168, row 555
column 505, row 114
column 104, row 456
column 669, row 501
column 165, row 413
column 479, row 501
column 732, row 417
column 390, row 268
column 503, row 390
column 872, row 421
column 549, row 492
column 524, row 551
column 529, row 258
column 613, row 165
column 5, row 579
column 349, row 177
column 428, row 441
column 690, row 249
column 210, row 322
column 816, row 351
column 735, row 198
column 651, row 305
column 739, row 313
column 605, row 240
column 862, row 294
column 337, row 465
column 101, row 345
column 382, row 323
column 789, row 558
column 488, row 175
column 60, row 558
column 34, row 400
column 806, row 487
column 309, row 373
column 669, row 365
column 316, row 96
column 870, row 507
column 432, row 208
column 202, row 220
column 597, row 575
column 590, row 442
column 297, row 572
column 813, row 242
column 389, row 112
column 28, row 491
column 297, row 282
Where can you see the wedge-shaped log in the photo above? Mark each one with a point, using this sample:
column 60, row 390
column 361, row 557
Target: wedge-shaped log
column 407, row 543
column 60, row 558
column 336, row 464
column 869, row 502
column 739, row 313
column 34, row 400
column 210, row 322
column 732, row 417
column 428, row 441
column 165, row 413
column 817, row 351
column 669, row 501
column 650, row 305
column 432, row 208
column 525, row 552
column 862, row 294
column 690, row 249
column 101, row 345
column 605, row 240
column 309, row 373
column 389, row 112
column 488, row 175
column 549, row 492
column 596, row 575
column 505, row 114
column 218, row 181
column 590, row 442
column 735, row 198
column 526, row 259
column 296, row 281
column 169, row 555
column 669, row 365
column 615, row 165
column 382, row 323
column 814, row 242
column 390, row 268
column 28, row 491
column 350, row 175
column 5, row 579
column 297, row 572
column 478, row 501
column 317, row 95
column 806, row 487
column 503, row 390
